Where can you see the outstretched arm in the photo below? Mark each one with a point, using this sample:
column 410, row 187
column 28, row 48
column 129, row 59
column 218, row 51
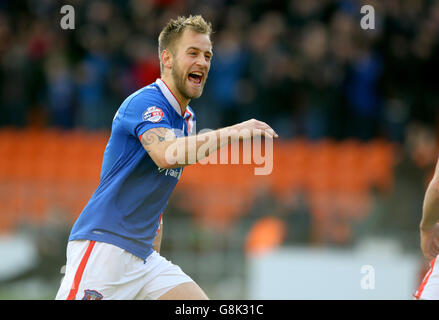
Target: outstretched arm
column 168, row 151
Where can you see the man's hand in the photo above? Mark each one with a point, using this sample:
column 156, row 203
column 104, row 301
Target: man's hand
column 430, row 241
column 253, row 126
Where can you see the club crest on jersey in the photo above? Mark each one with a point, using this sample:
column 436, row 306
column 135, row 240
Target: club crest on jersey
column 153, row 114
column 92, row 295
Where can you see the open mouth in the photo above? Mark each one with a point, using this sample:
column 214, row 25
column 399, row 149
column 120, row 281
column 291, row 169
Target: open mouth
column 196, row 77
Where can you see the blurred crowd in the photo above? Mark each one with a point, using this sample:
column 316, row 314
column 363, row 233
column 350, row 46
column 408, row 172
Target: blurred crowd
column 305, row 67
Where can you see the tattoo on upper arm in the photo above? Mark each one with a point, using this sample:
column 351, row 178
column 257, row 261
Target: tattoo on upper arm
column 153, row 136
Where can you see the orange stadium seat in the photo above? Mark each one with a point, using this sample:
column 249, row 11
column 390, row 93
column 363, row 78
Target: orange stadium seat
column 10, row 205
column 350, row 176
column 37, row 207
column 379, row 164
column 48, row 164
column 291, row 159
column 320, row 175
column 6, row 166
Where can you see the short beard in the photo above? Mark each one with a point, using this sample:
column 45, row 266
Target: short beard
column 179, row 81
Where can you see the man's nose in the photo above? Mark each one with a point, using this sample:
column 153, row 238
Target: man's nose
column 202, row 62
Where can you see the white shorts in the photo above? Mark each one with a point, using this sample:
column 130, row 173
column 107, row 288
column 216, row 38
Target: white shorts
column 429, row 288
column 98, row 270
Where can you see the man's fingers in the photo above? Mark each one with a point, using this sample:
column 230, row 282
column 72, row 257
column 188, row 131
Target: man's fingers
column 272, row 133
column 259, row 127
column 269, row 133
column 267, row 129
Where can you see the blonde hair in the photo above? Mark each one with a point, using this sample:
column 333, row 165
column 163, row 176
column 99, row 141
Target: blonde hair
column 175, row 27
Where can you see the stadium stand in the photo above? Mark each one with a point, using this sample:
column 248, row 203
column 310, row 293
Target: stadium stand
column 58, row 170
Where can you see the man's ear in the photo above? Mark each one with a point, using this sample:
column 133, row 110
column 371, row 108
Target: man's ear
column 166, row 57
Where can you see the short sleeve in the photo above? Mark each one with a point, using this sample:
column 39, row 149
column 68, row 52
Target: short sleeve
column 143, row 114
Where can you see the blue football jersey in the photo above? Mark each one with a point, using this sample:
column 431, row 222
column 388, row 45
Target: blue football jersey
column 133, row 191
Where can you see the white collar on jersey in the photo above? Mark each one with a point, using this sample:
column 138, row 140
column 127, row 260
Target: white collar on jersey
column 188, row 115
column 169, row 95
